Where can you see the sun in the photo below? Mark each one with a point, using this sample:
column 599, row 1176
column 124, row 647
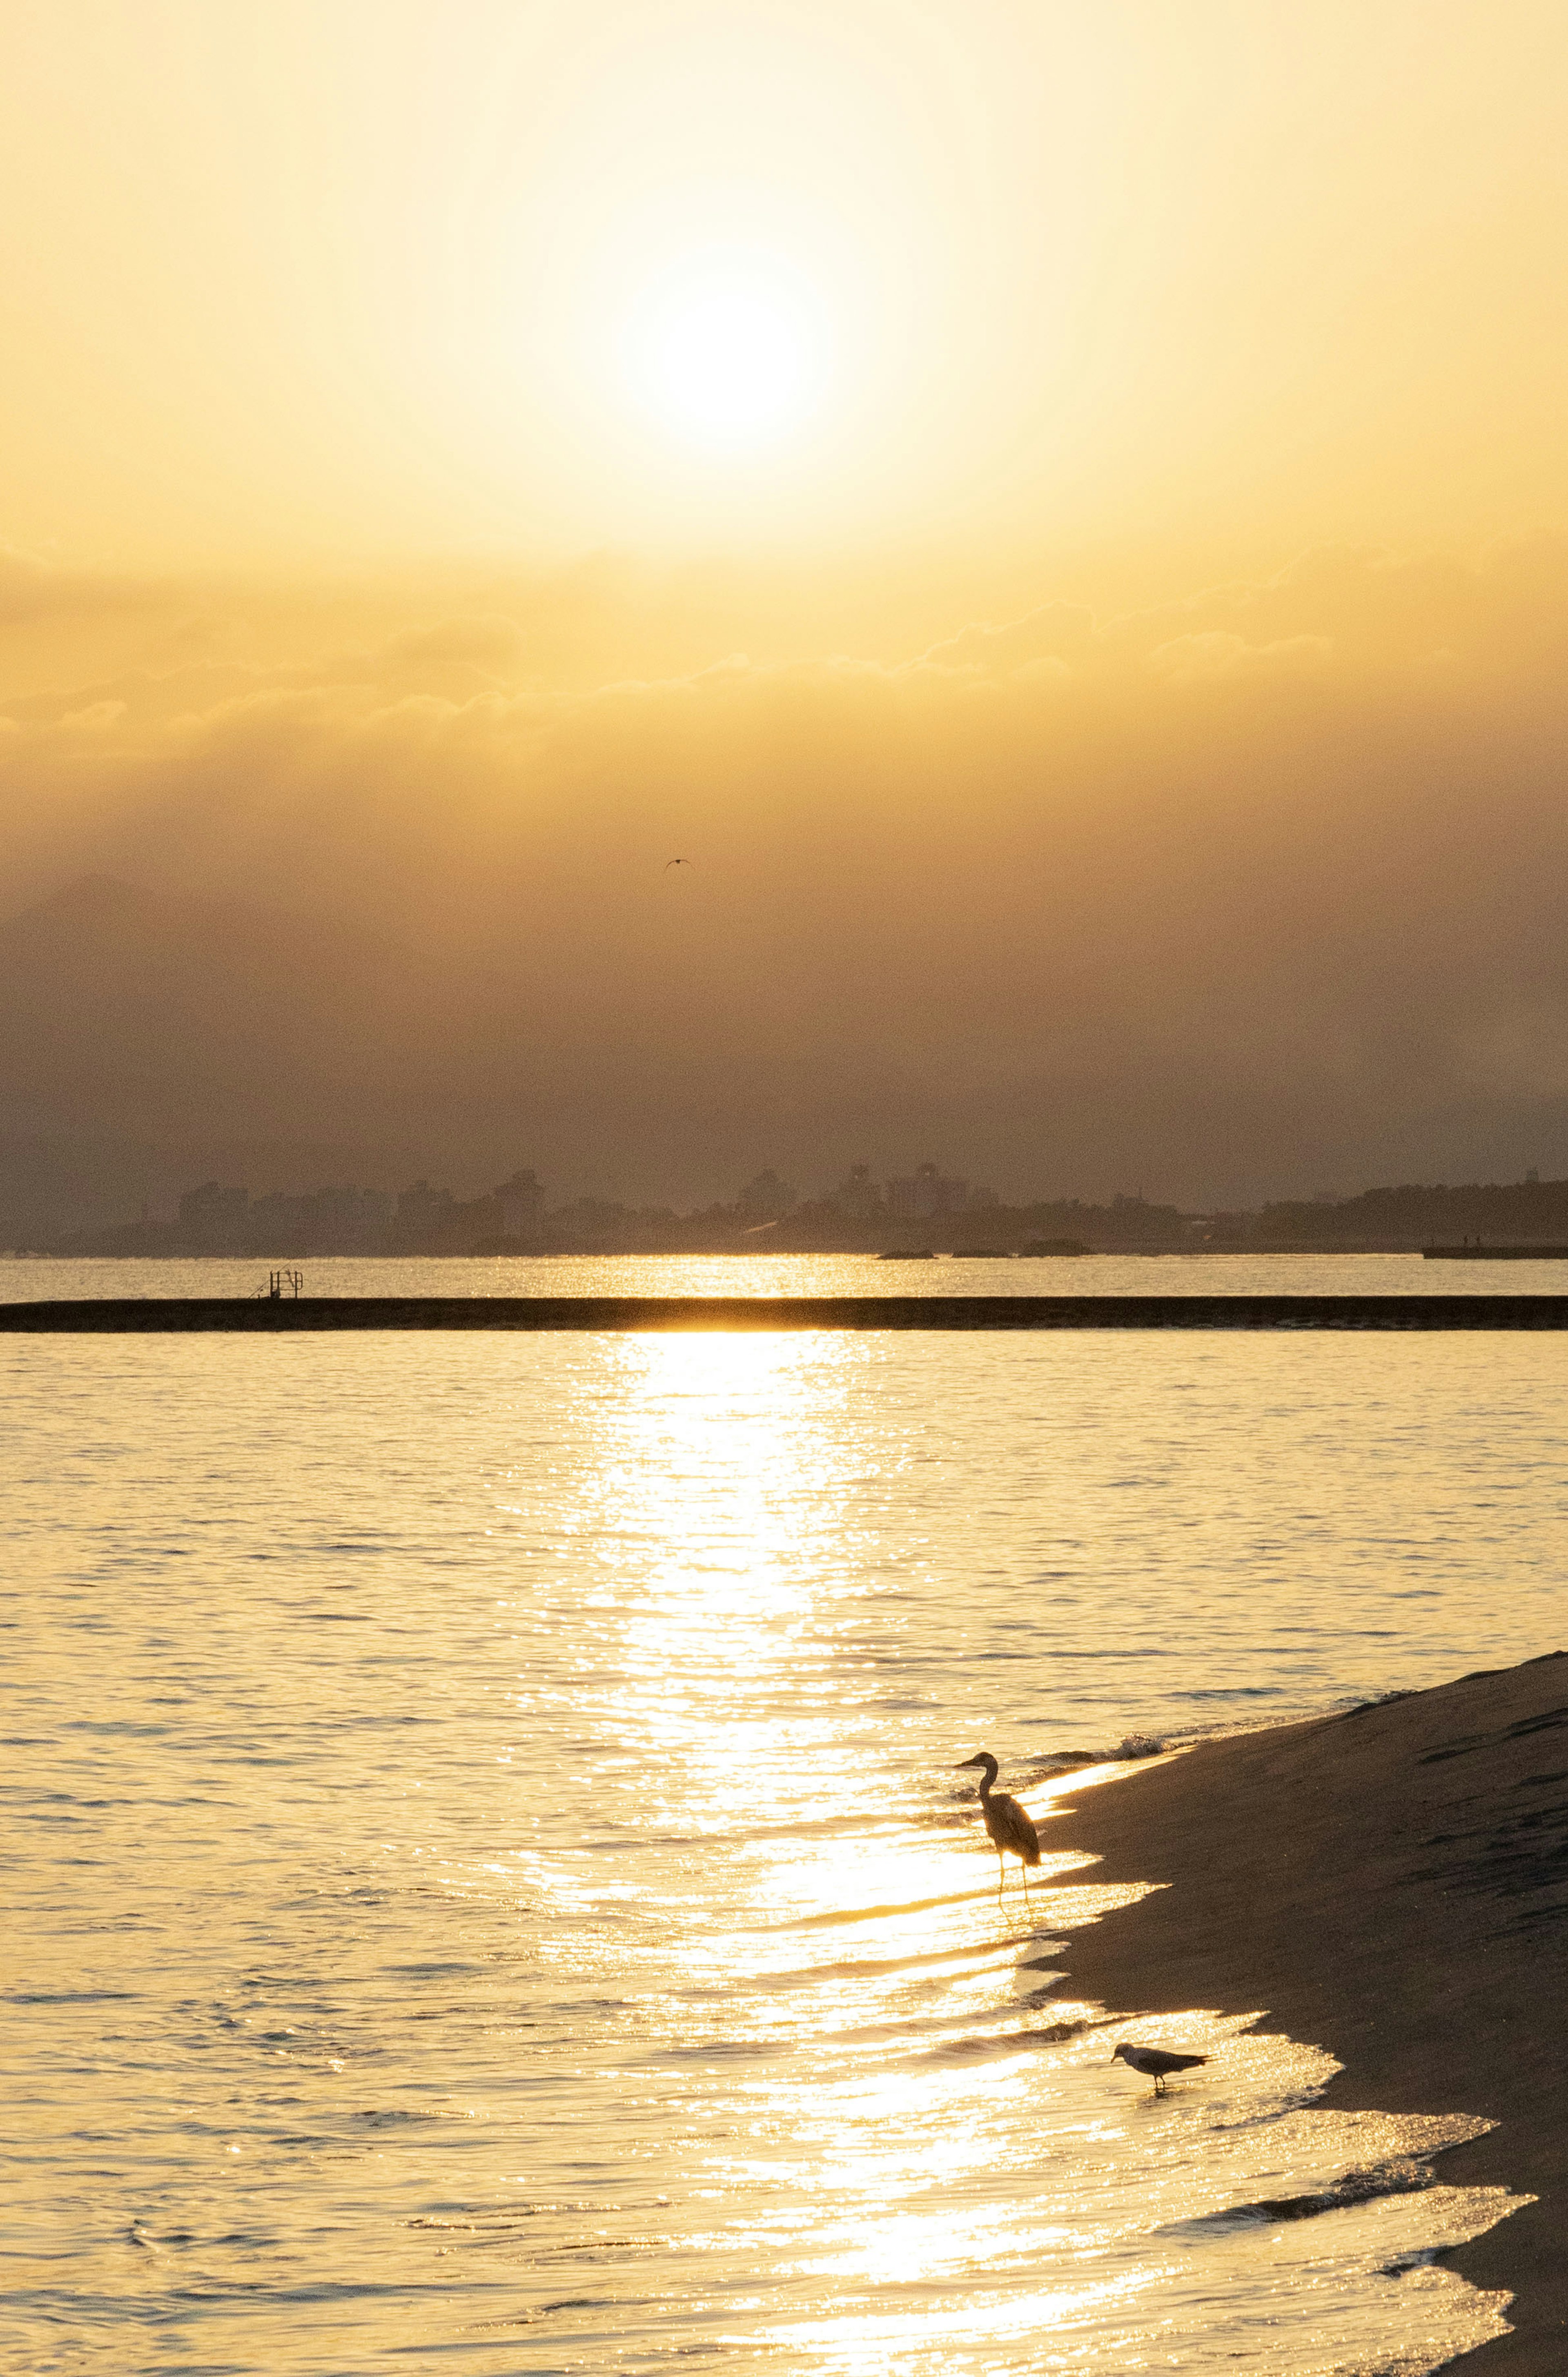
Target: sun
column 728, row 352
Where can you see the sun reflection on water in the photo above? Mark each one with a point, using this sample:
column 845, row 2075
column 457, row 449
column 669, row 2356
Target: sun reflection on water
column 892, row 2100
column 596, row 1959
column 721, row 1536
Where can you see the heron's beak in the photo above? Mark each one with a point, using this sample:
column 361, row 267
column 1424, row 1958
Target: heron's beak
column 964, row 1763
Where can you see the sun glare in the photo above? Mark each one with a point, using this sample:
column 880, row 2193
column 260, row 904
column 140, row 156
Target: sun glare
column 728, row 354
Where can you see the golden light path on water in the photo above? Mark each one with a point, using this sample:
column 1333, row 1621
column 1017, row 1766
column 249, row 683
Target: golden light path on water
column 494, row 1891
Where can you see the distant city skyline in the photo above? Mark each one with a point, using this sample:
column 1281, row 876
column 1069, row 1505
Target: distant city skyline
column 157, row 1040
column 518, row 1216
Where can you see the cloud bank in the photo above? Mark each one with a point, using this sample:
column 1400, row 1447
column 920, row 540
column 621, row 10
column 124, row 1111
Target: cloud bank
column 1256, row 892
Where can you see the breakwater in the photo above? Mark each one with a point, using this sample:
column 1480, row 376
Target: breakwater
column 1495, row 1254
column 137, row 1316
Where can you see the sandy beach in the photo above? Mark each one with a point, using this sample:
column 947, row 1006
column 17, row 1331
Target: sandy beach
column 1390, row 1883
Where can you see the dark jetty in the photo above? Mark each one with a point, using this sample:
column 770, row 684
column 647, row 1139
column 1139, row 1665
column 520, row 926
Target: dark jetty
column 1495, row 1254
column 149, row 1315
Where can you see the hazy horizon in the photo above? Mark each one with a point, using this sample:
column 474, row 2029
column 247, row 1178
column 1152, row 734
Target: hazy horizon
column 1062, row 518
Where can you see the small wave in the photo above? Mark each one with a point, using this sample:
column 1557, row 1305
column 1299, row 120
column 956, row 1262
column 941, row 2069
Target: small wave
column 1056, row 1765
column 880, row 1914
column 1404, row 2175
column 858, row 1968
column 67, row 1996
column 1008, row 2042
column 463, row 2219
column 430, row 1971
column 710, row 2051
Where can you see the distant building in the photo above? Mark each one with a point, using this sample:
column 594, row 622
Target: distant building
column 858, row 1195
column 767, row 1199
column 323, row 1221
column 926, row 1196
column 588, row 1221
column 520, row 1203
column 421, row 1209
column 212, row 1219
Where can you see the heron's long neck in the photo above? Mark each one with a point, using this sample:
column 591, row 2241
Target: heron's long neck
column 986, row 1779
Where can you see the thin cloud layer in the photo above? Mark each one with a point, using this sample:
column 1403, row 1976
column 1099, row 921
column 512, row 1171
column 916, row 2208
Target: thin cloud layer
column 1255, row 891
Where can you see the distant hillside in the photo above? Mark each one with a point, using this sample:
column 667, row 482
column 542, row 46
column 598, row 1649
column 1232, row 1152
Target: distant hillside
column 1519, row 1213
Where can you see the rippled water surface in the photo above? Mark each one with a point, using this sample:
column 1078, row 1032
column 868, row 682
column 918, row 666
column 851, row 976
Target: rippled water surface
column 486, row 1889
column 24, row 1277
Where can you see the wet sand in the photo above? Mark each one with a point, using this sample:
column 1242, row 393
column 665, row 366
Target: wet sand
column 1390, row 1885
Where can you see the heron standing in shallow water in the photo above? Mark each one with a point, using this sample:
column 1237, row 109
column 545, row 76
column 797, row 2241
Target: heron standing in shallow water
column 1009, row 1827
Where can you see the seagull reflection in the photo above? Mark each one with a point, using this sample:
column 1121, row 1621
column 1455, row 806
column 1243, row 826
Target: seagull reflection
column 1009, row 1826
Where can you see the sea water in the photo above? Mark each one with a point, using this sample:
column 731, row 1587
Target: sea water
column 486, row 1888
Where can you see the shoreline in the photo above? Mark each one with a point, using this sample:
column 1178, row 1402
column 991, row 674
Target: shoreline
column 1390, row 1883
column 240, row 1315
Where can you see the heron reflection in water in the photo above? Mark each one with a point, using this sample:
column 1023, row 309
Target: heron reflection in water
column 1011, row 1828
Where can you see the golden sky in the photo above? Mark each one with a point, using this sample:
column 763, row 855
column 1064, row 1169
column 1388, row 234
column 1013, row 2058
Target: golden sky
column 1062, row 508
column 341, row 278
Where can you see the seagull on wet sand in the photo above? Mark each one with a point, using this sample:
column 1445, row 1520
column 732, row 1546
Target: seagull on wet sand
column 1156, row 2063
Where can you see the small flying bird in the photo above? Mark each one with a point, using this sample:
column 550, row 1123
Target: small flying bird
column 676, row 861
column 1156, row 2063
column 1011, row 1828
